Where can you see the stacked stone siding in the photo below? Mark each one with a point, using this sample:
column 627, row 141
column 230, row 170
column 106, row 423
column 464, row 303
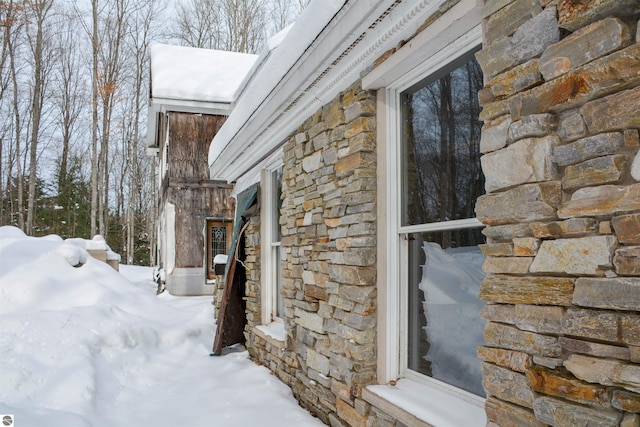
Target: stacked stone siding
column 562, row 165
column 328, row 221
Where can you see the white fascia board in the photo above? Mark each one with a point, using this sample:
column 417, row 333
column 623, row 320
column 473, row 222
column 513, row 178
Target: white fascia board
column 231, row 155
column 460, row 20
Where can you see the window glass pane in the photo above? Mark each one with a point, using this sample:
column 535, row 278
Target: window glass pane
column 279, row 297
column 441, row 173
column 277, row 203
column 444, row 324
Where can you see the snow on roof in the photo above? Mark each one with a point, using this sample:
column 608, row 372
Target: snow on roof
column 291, row 43
column 193, row 74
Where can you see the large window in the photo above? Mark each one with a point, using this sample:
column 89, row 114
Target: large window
column 272, row 297
column 440, row 270
column 218, row 242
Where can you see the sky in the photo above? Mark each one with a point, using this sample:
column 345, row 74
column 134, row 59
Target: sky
column 84, row 345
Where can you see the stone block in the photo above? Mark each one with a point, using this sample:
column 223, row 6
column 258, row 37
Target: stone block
column 508, row 415
column 360, row 322
column 571, row 126
column 601, row 170
column 506, row 21
column 627, row 228
column 599, row 325
column 560, row 384
column 630, row 420
column 581, row 256
column 494, row 134
column 526, row 203
column 501, row 313
column 594, row 349
column 529, row 161
column 361, row 337
column 510, row 265
column 588, row 148
column 347, row 165
column 349, row 414
column 526, row 246
column 496, row 249
column 352, row 275
column 576, row 14
column 514, row 360
column 312, row 162
column 358, row 125
column 559, row 413
column 492, row 6
column 631, row 136
column 548, row 362
column 635, row 167
column 602, row 201
column 542, row 319
column 535, row 125
column 627, row 261
column 527, row 290
column 495, row 109
column 614, row 294
column 507, row 385
column 365, row 107
column 601, row 77
column 625, row 401
column 311, row 321
column 607, row 372
column 617, row 111
column 359, row 294
column 507, row 232
column 511, row 338
column 584, row 45
column 630, row 330
column 517, row 79
column 317, row 362
column 527, row 42
column 360, row 256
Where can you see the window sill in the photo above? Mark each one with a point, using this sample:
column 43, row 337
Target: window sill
column 274, row 333
column 420, row 405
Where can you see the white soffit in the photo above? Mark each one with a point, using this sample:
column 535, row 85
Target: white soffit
column 345, row 48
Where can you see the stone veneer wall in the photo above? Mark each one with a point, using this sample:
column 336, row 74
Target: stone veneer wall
column 328, row 221
column 562, row 112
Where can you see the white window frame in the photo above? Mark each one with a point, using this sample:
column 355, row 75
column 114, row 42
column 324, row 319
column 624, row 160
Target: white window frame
column 392, row 279
column 269, row 246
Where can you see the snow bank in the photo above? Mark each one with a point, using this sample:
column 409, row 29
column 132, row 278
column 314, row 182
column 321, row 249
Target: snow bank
column 88, row 346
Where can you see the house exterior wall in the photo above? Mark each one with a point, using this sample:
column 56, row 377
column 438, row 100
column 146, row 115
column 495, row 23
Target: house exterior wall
column 563, row 338
column 193, row 198
column 561, row 160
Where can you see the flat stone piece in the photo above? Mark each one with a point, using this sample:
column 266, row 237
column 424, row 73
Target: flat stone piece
column 507, row 385
column 526, row 203
column 625, row 401
column 496, row 249
column 594, row 349
column 627, row 228
column 615, row 72
column 526, row 246
column 514, row 360
column 516, row 79
column 601, row 170
column 571, row 126
column 557, row 383
column 528, row 41
column 614, row 294
column 511, row 265
column 508, row 415
column 501, row 313
column 507, row 232
column 570, row 227
column 630, row 331
column 512, row 338
column 507, row 20
column 620, row 110
column 605, row 371
column 627, row 263
column 574, row 14
column 543, row 319
column 588, row 148
column 494, row 134
column 579, row 256
column 584, row 45
column 559, row 413
column 601, row 201
column 535, row 125
column 599, row 325
column 527, row 290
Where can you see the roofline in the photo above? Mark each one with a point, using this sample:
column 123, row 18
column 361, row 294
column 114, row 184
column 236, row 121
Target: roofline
column 329, row 64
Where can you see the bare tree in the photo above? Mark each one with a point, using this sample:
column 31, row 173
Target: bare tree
column 197, row 24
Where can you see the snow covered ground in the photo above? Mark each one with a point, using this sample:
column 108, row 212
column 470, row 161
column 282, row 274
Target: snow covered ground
column 88, row 346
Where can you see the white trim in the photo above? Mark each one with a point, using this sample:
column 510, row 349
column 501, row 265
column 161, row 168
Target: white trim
column 409, row 65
